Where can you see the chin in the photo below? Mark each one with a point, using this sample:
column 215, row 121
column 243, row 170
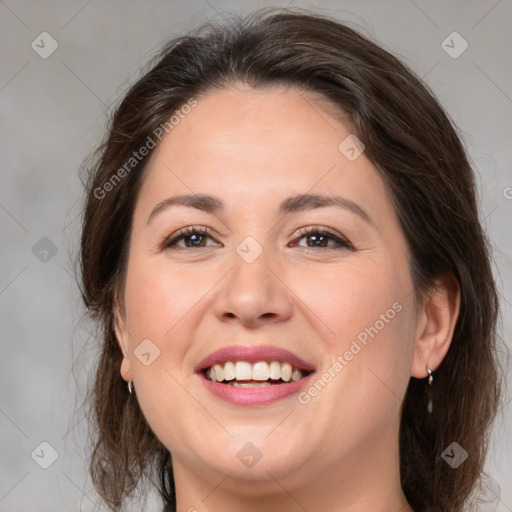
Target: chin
column 257, row 459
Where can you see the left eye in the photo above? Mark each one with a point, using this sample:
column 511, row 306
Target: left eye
column 321, row 238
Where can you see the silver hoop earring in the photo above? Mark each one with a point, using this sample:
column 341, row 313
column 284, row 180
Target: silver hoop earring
column 430, row 379
column 130, row 387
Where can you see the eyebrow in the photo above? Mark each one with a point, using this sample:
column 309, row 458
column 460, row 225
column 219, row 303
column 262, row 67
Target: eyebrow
column 301, row 202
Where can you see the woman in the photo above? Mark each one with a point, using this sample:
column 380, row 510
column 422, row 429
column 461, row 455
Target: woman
column 281, row 246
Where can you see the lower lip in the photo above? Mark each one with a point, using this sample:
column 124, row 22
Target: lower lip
column 254, row 396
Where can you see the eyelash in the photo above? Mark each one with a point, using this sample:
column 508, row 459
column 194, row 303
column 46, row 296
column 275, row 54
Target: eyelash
column 314, row 230
column 169, row 242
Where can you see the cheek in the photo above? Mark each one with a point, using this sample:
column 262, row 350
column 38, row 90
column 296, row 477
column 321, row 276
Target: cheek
column 159, row 300
column 366, row 311
column 160, row 303
column 354, row 297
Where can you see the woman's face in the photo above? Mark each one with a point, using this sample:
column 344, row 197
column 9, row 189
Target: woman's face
column 287, row 275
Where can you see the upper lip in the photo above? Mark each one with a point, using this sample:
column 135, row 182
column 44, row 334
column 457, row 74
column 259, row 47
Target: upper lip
column 253, row 354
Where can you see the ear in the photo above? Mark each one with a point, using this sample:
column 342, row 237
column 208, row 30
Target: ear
column 435, row 325
column 123, row 339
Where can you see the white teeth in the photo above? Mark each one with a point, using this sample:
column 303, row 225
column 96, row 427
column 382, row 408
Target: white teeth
column 296, row 375
column 261, row 371
column 286, row 371
column 219, row 372
column 275, row 370
column 229, row 371
column 243, row 370
column 236, row 384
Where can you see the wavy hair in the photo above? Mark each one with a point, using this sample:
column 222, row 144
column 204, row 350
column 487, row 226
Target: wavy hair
column 422, row 160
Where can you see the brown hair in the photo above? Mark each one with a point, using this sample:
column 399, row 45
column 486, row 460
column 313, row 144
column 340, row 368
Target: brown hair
column 423, row 163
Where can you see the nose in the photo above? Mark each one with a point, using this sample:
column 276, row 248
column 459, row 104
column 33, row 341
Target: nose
column 253, row 294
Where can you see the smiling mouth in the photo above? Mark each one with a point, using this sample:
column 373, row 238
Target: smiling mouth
column 243, row 374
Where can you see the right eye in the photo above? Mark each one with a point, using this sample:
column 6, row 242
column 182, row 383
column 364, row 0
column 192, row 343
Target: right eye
column 192, row 236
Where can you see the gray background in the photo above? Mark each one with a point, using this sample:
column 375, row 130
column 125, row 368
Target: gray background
column 53, row 112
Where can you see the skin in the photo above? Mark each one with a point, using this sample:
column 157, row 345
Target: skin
column 339, row 452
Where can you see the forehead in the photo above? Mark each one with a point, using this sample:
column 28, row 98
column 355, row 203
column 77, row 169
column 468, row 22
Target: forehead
column 245, row 122
column 259, row 144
